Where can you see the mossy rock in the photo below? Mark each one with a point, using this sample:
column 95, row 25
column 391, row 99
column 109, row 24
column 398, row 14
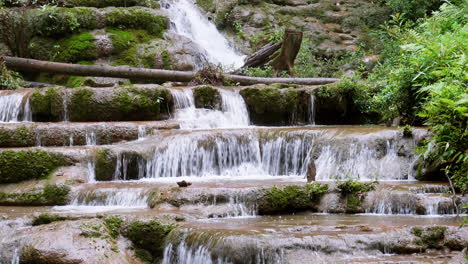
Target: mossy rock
column 76, row 48
column 107, row 3
column 272, row 106
column 58, row 21
column 207, row 97
column 44, row 104
column 430, row 237
column 137, row 18
column 44, row 219
column 19, row 166
column 148, row 238
column 19, row 137
column 105, row 164
column 291, row 198
column 50, row 195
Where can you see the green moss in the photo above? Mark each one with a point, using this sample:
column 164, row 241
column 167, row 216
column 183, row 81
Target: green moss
column 430, row 236
column 133, row 100
column 77, row 48
column 26, row 165
column 207, row 5
column 273, row 106
column 148, row 238
column 75, row 81
column 107, row 3
column 168, row 64
column 105, row 165
column 127, row 57
column 352, row 187
column 207, row 97
column 137, row 18
column 42, row 104
column 291, row 198
column 20, row 137
column 58, row 21
column 81, row 104
column 44, row 219
column 113, row 224
column 407, row 131
column 49, row 195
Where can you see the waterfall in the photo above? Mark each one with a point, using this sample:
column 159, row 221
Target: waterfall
column 65, row 105
column 91, row 170
column 188, row 20
column 16, row 257
column 312, row 109
column 141, row 132
column 183, row 254
column 233, row 111
column 230, row 155
column 14, row 107
column 112, row 197
column 91, row 139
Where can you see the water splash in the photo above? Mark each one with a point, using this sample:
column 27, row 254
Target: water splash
column 16, row 257
column 187, row 20
column 233, row 111
column 91, row 170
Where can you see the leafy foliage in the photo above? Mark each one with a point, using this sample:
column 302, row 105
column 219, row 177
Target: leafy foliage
column 426, row 81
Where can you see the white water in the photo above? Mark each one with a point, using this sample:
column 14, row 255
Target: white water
column 91, row 171
column 312, row 109
column 12, row 108
column 65, row 105
column 183, row 254
column 259, row 154
column 91, row 139
column 141, row 132
column 16, row 258
column 233, row 113
column 188, row 20
column 106, row 199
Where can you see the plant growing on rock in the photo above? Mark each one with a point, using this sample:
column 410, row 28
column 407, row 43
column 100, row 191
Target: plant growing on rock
column 8, row 80
column 44, row 219
column 291, row 198
column 148, row 238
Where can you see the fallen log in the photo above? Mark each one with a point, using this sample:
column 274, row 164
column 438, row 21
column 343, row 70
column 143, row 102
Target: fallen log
column 262, row 56
column 30, row 65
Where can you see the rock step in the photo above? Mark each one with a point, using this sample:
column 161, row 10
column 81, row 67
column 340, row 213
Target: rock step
column 77, row 134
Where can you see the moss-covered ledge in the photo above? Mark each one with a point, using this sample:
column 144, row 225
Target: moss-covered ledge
column 207, row 97
column 50, row 194
column 102, row 104
column 106, row 3
column 17, row 166
column 269, row 105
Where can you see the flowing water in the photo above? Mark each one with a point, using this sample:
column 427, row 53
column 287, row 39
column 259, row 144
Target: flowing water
column 233, row 112
column 14, row 107
column 188, row 20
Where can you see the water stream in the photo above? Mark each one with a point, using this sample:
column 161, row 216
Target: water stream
column 233, row 112
column 188, row 20
column 14, row 107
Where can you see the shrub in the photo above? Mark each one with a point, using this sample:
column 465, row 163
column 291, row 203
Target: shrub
column 353, row 187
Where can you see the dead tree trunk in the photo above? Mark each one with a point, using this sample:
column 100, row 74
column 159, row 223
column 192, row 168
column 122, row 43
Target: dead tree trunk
column 262, row 56
column 30, row 65
column 289, row 49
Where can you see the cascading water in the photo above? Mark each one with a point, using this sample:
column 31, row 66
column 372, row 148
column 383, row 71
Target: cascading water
column 14, row 107
column 141, row 132
column 260, row 153
column 187, row 20
column 107, row 199
column 312, row 109
column 233, row 111
column 91, row 139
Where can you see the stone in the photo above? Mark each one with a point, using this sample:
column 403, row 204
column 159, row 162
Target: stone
column 184, row 184
column 311, row 171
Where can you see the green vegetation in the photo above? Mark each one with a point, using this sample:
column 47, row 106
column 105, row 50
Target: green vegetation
column 424, row 81
column 148, row 239
column 19, row 137
column 135, row 100
column 291, row 198
column 43, row 104
column 19, row 166
column 430, row 236
column 105, row 165
column 81, row 104
column 53, row 21
column 77, row 48
column 207, row 97
column 137, row 18
column 354, row 192
column 44, row 219
column 51, row 194
column 113, row 225
column 8, row 80
column 116, row 3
